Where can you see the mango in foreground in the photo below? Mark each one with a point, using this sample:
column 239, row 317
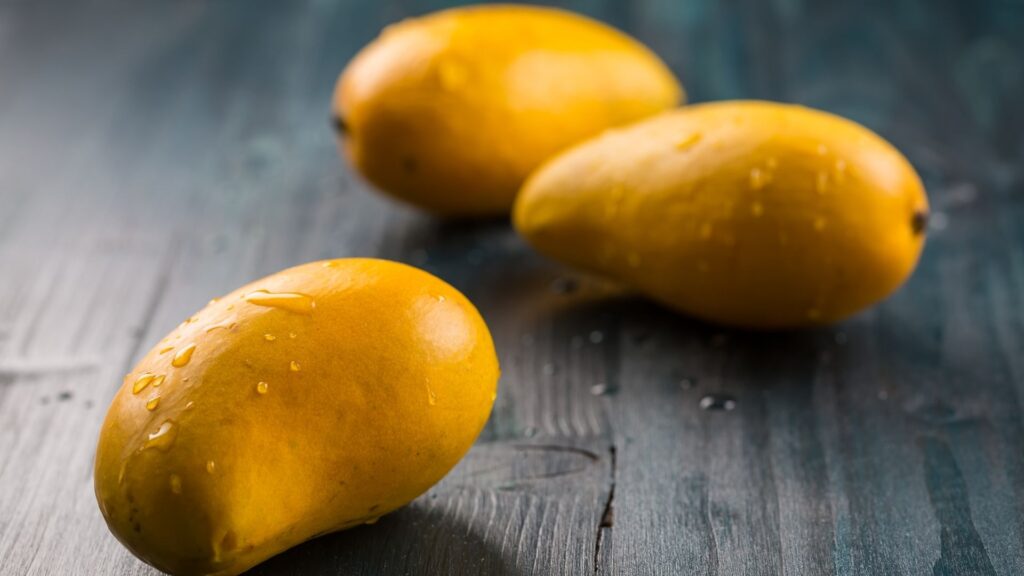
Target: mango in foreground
column 310, row 401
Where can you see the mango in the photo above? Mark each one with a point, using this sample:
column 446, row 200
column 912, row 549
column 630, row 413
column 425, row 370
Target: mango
column 752, row 214
column 313, row 400
column 451, row 111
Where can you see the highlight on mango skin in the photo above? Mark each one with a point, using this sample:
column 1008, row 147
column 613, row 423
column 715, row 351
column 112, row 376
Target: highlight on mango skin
column 313, row 400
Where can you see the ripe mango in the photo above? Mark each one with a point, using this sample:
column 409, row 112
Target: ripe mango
column 451, row 111
column 310, row 401
column 753, row 214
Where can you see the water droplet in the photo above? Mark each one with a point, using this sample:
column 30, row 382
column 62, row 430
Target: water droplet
column 564, row 286
column 190, row 405
column 175, row 482
column 718, row 401
column 596, row 336
column 757, row 209
column 813, row 314
column 494, row 396
column 290, row 301
column 840, row 170
column 705, row 231
column 213, row 327
column 758, row 179
column 599, row 389
column 292, row 335
column 158, row 381
column 183, row 356
column 152, row 403
column 819, row 224
column 688, row 141
column 261, row 387
column 213, row 301
column 294, row 366
column 142, row 381
column 165, row 350
column 269, row 337
column 162, row 438
column 211, row 466
column 431, row 397
column 441, row 298
column 452, row 75
column 686, row 384
column 821, row 182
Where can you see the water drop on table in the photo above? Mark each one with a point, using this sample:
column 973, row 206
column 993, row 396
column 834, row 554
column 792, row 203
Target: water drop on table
column 718, row 401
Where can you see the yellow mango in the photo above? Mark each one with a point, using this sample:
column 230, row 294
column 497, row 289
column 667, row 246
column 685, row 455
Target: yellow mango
column 753, row 214
column 310, row 401
column 451, row 111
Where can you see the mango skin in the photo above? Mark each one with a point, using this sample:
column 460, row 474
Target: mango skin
column 451, row 111
column 751, row 214
column 395, row 376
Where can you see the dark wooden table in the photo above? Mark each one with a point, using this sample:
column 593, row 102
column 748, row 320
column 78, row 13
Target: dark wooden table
column 155, row 153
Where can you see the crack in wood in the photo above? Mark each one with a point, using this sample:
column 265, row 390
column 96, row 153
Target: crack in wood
column 608, row 513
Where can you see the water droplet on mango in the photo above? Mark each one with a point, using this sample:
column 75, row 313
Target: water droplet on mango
column 163, row 437
column 142, row 381
column 183, row 356
column 261, row 387
column 290, row 301
column 210, row 466
column 688, row 141
column 153, row 403
column 294, row 366
column 175, row 482
column 269, row 337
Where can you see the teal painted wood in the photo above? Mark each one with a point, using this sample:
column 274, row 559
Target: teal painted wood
column 154, row 154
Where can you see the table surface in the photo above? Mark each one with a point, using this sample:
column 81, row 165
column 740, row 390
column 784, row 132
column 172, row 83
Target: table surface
column 155, row 154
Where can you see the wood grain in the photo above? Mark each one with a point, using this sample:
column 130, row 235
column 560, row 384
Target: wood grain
column 156, row 154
